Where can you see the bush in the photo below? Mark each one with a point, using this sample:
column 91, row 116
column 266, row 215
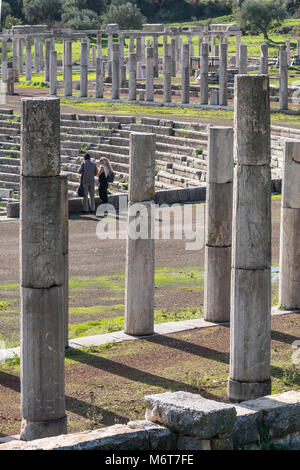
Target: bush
column 126, row 14
column 42, row 11
column 11, row 21
column 80, row 19
column 261, row 14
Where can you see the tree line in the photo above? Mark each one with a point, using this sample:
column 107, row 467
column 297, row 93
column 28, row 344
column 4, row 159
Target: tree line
column 252, row 15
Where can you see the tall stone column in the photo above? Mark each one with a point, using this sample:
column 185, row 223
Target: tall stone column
column 84, row 69
column 99, row 45
column 52, row 44
column 42, row 272
column 149, row 75
column 15, row 44
column 263, row 68
column 168, row 74
column 185, row 74
column 99, row 78
column 47, row 60
column 204, row 74
column 131, row 45
column 243, row 69
column 155, row 55
column 190, row 41
column 68, row 68
column 132, row 76
column 298, row 47
column 138, row 49
column 139, row 280
column 21, row 55
column 251, row 242
column 199, row 45
column 223, row 75
column 65, row 241
column 36, row 55
column 4, row 60
column 237, row 50
column 283, row 80
column 213, row 44
column 218, row 226
column 109, row 46
column 121, row 50
column 143, row 50
column 53, row 73
column 28, row 60
column 289, row 281
column 115, row 86
column 179, row 52
column 173, row 57
column 41, row 55
column 288, row 52
column 94, row 55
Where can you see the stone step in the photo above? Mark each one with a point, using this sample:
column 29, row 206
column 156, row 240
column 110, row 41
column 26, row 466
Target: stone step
column 83, row 139
column 90, row 124
column 180, row 170
column 9, row 184
column 15, row 139
column 10, row 169
column 182, row 141
column 189, row 134
column 88, row 131
column 160, row 130
column 9, row 153
column 10, row 124
column 9, row 131
column 9, row 177
column 9, row 161
column 6, row 111
column 10, row 146
column 169, row 178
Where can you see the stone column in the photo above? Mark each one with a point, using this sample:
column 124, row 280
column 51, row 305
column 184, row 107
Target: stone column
column 99, row 45
column 167, row 75
column 199, row 45
column 143, row 55
column 68, row 68
column 223, row 75
column 218, row 226
column 298, row 47
column 138, row 49
column 131, row 45
column 21, row 55
column 190, row 41
column 237, row 50
column 185, row 74
column 179, row 52
column 15, row 44
column 263, row 68
column 204, row 74
column 109, row 46
column 42, row 281
column 132, row 76
column 84, row 69
column 94, row 55
column 47, row 61
column 173, row 57
column 149, row 75
column 289, row 281
column 36, row 55
column 99, row 78
column 41, row 56
column 53, row 73
column 121, row 50
column 243, row 60
column 28, row 60
column 139, row 283
column 115, row 86
column 155, row 55
column 288, row 52
column 65, row 240
column 251, row 242
column 52, row 44
column 4, row 61
column 283, row 80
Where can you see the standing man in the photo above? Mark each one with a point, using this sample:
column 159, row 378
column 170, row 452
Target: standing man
column 89, row 170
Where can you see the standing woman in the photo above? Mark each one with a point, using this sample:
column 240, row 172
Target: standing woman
column 104, row 171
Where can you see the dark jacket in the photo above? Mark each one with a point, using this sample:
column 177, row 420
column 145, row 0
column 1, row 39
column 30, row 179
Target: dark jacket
column 89, row 170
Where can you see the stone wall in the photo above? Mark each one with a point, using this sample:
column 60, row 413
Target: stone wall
column 186, row 421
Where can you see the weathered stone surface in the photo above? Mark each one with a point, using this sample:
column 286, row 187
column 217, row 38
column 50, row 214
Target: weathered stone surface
column 250, row 319
column 142, row 167
column 218, row 227
column 192, row 443
column 217, row 286
column 291, row 175
column 281, row 413
column 39, row 429
column 118, row 437
column 220, row 155
column 251, row 241
column 190, row 414
column 41, row 232
column 160, row 438
column 40, row 117
column 246, row 426
column 221, row 444
column 252, row 123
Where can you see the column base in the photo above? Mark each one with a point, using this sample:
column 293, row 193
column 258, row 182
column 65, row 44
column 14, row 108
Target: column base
column 31, row 430
column 139, row 333
column 243, row 391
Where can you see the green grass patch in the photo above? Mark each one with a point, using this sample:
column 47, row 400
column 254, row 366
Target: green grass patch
column 96, row 310
column 276, row 196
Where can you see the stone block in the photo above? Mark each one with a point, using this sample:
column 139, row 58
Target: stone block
column 221, row 444
column 220, row 152
column 218, row 227
column 192, row 443
column 281, row 413
column 160, row 438
column 246, row 426
column 190, row 414
column 142, row 167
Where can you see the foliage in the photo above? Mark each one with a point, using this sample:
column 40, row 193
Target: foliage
column 11, row 21
column 44, row 11
column 80, row 19
column 260, row 15
column 125, row 13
